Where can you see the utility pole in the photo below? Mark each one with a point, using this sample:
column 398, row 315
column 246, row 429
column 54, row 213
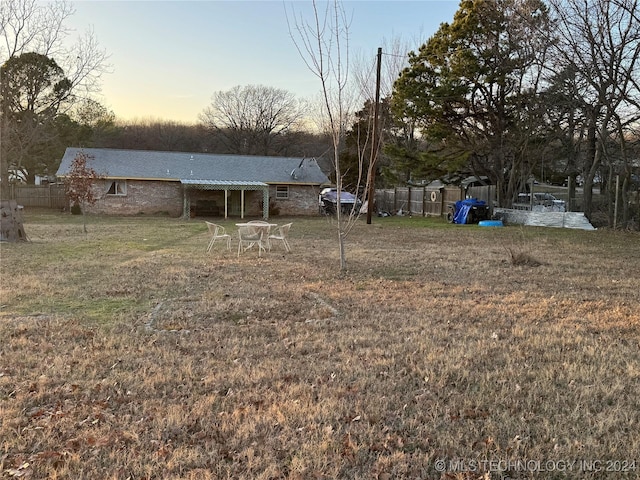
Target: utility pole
column 374, row 144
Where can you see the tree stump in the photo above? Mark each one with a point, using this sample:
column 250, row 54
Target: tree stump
column 11, row 229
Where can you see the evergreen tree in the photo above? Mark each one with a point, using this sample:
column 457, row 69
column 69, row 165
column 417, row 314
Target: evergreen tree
column 472, row 90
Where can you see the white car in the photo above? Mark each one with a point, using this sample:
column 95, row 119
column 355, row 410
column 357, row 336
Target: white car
column 542, row 199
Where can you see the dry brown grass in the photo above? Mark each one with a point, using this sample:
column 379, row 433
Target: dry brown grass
column 131, row 353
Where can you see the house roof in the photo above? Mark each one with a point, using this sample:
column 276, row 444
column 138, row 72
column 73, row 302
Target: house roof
column 201, row 167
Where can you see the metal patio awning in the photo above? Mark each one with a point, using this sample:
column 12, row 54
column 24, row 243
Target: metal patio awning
column 226, row 185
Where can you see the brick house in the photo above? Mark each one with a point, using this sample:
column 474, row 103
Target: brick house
column 198, row 184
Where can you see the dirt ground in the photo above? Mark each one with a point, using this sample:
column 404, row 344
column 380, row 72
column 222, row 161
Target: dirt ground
column 444, row 351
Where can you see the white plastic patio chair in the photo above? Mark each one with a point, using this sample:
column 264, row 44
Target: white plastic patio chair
column 281, row 233
column 266, row 231
column 217, row 232
column 248, row 236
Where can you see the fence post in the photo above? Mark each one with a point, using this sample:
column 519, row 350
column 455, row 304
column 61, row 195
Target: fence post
column 395, row 199
column 424, row 200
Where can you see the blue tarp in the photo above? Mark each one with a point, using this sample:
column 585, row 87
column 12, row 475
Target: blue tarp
column 463, row 207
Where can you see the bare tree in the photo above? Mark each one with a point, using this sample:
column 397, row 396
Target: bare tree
column 323, row 44
column 34, row 26
column 600, row 40
column 251, row 118
column 394, row 59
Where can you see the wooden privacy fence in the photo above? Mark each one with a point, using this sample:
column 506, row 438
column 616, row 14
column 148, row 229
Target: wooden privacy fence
column 425, row 201
column 40, row 196
column 487, row 193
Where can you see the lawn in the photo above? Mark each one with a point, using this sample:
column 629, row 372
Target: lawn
column 443, row 352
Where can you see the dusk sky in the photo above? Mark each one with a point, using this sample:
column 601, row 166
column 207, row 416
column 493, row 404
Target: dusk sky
column 169, row 57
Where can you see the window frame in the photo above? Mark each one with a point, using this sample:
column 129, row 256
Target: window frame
column 282, row 192
column 119, row 187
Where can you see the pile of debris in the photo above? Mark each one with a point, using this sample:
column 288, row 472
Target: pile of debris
column 543, row 219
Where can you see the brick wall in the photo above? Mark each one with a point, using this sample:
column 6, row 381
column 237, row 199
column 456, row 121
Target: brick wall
column 141, row 197
column 166, row 198
column 303, row 200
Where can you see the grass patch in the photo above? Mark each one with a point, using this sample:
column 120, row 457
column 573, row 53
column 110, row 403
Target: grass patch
column 130, row 352
column 101, row 309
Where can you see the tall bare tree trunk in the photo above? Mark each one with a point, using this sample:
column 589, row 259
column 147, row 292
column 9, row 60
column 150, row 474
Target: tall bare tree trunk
column 590, row 163
column 4, row 178
column 323, row 45
column 341, row 233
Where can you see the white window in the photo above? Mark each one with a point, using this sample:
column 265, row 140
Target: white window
column 282, row 192
column 117, row 188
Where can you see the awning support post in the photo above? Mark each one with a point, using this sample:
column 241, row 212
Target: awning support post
column 186, row 204
column 265, row 203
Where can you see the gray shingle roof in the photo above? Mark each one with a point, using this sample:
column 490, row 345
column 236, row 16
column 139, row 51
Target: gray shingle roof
column 145, row 165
